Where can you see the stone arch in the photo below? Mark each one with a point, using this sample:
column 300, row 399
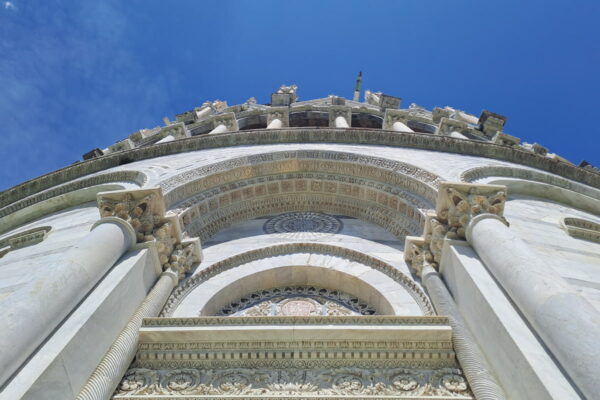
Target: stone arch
column 286, row 252
column 386, row 192
column 257, row 275
column 67, row 195
column 539, row 185
column 479, row 173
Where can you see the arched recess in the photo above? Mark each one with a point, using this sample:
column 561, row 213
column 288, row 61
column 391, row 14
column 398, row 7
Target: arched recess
column 390, row 284
column 64, row 196
column 392, row 194
column 540, row 185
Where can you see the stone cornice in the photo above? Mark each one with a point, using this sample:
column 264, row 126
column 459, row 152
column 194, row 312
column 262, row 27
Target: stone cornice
column 303, row 135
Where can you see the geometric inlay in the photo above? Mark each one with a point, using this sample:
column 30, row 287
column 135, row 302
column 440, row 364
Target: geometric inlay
column 303, row 225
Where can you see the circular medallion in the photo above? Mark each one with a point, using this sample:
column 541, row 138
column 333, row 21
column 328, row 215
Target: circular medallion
column 298, row 308
column 303, row 225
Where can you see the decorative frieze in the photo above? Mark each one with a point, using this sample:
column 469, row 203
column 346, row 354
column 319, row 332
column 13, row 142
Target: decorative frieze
column 295, row 383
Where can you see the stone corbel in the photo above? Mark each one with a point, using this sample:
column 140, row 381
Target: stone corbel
column 505, row 139
column 339, row 111
column 144, row 210
column 280, row 113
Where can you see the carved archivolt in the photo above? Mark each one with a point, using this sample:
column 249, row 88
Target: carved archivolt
column 296, row 383
column 187, row 286
column 405, row 176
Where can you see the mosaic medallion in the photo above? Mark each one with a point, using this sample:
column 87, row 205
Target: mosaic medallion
column 303, row 225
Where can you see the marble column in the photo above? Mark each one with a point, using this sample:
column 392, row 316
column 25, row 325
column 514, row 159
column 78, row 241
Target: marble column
column 45, row 301
column 114, row 364
column 473, row 362
column 566, row 322
column 399, row 126
column 275, row 124
column 221, row 128
column 340, row 122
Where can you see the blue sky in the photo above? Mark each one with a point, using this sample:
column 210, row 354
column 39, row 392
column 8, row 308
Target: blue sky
column 76, row 75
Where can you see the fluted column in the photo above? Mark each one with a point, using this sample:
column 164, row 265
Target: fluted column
column 473, row 362
column 113, row 366
column 567, row 323
column 47, row 300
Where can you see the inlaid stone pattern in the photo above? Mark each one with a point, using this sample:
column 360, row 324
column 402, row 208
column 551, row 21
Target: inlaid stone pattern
column 303, row 225
column 297, row 383
column 297, row 301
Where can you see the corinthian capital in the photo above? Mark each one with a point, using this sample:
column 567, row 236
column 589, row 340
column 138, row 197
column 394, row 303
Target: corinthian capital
column 459, row 202
column 144, row 210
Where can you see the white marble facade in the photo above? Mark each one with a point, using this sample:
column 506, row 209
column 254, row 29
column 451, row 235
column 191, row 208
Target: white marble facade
column 281, row 261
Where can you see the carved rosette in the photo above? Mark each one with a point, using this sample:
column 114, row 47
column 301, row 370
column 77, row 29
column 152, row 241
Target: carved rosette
column 456, row 205
column 440, row 383
column 144, row 209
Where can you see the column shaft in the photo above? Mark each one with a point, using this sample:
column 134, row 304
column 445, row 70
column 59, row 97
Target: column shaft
column 472, row 360
column 221, row 128
column 567, row 323
column 457, row 135
column 340, row 122
column 34, row 311
column 115, row 362
column 275, row 124
column 401, row 127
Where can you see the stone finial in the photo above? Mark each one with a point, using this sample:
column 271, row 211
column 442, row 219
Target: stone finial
column 280, row 113
column 490, row 123
column 144, row 210
column 284, row 96
column 383, row 101
column 459, row 202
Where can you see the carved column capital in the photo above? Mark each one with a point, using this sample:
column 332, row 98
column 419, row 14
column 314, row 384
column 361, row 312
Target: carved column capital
column 459, row 202
column 144, row 211
column 280, row 113
column 340, row 111
column 227, row 119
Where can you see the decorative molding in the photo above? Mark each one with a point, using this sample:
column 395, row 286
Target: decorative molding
column 8, row 199
column 580, row 228
column 296, row 383
column 278, row 301
column 479, row 173
column 305, row 135
column 22, row 239
column 303, row 225
column 210, row 271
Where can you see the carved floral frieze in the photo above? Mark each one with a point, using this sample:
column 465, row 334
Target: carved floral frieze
column 443, row 383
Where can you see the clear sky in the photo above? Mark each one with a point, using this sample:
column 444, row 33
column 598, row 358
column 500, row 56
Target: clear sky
column 76, row 75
